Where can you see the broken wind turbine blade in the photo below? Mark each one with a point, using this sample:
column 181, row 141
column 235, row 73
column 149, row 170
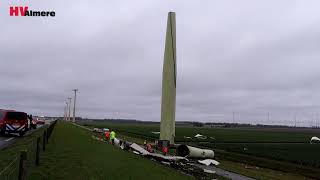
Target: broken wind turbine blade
column 159, row 157
column 193, row 152
column 139, row 149
column 169, row 79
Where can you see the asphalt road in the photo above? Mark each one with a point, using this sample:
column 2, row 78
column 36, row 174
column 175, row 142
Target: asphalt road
column 224, row 173
column 11, row 138
column 6, row 140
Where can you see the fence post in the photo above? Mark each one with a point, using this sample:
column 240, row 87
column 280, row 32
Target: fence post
column 47, row 136
column 44, row 141
column 38, row 151
column 22, row 165
column 49, row 131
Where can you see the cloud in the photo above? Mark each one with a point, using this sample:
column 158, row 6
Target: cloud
column 246, row 57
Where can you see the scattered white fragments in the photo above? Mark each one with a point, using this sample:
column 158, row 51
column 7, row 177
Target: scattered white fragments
column 166, row 158
column 199, row 136
column 208, row 162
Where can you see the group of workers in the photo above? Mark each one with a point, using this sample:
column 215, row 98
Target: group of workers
column 148, row 147
column 110, row 136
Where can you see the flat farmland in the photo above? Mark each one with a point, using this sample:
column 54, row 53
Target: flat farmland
column 299, row 153
column 218, row 135
column 280, row 144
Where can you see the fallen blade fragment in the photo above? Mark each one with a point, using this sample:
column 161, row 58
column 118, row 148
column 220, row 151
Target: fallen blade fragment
column 209, row 171
column 208, row 162
column 161, row 157
column 193, row 152
column 139, row 149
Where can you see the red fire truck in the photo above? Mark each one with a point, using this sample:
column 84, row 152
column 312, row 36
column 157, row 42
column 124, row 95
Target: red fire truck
column 13, row 122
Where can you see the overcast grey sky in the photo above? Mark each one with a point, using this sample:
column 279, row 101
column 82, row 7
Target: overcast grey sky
column 247, row 57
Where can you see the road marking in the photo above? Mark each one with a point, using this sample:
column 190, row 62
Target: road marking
column 9, row 139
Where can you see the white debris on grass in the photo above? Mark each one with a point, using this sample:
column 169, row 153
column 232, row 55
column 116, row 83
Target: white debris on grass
column 209, row 171
column 208, row 162
column 314, row 139
column 199, row 136
column 135, row 152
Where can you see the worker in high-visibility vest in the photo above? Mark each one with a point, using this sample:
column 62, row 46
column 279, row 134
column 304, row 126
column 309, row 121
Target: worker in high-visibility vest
column 112, row 136
column 145, row 144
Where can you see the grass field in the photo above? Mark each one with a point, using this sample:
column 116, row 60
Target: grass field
column 280, row 149
column 73, row 154
column 302, row 154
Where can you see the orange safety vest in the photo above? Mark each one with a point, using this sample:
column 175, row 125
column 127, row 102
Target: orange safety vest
column 107, row 134
column 165, row 150
column 149, row 148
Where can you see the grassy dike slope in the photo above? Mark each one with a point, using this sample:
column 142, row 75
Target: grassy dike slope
column 73, row 154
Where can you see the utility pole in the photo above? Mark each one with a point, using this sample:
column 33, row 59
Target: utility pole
column 233, row 117
column 69, row 109
column 66, row 115
column 295, row 120
column 74, row 104
column 64, row 112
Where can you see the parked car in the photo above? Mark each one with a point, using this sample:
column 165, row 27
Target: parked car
column 13, row 122
column 40, row 121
